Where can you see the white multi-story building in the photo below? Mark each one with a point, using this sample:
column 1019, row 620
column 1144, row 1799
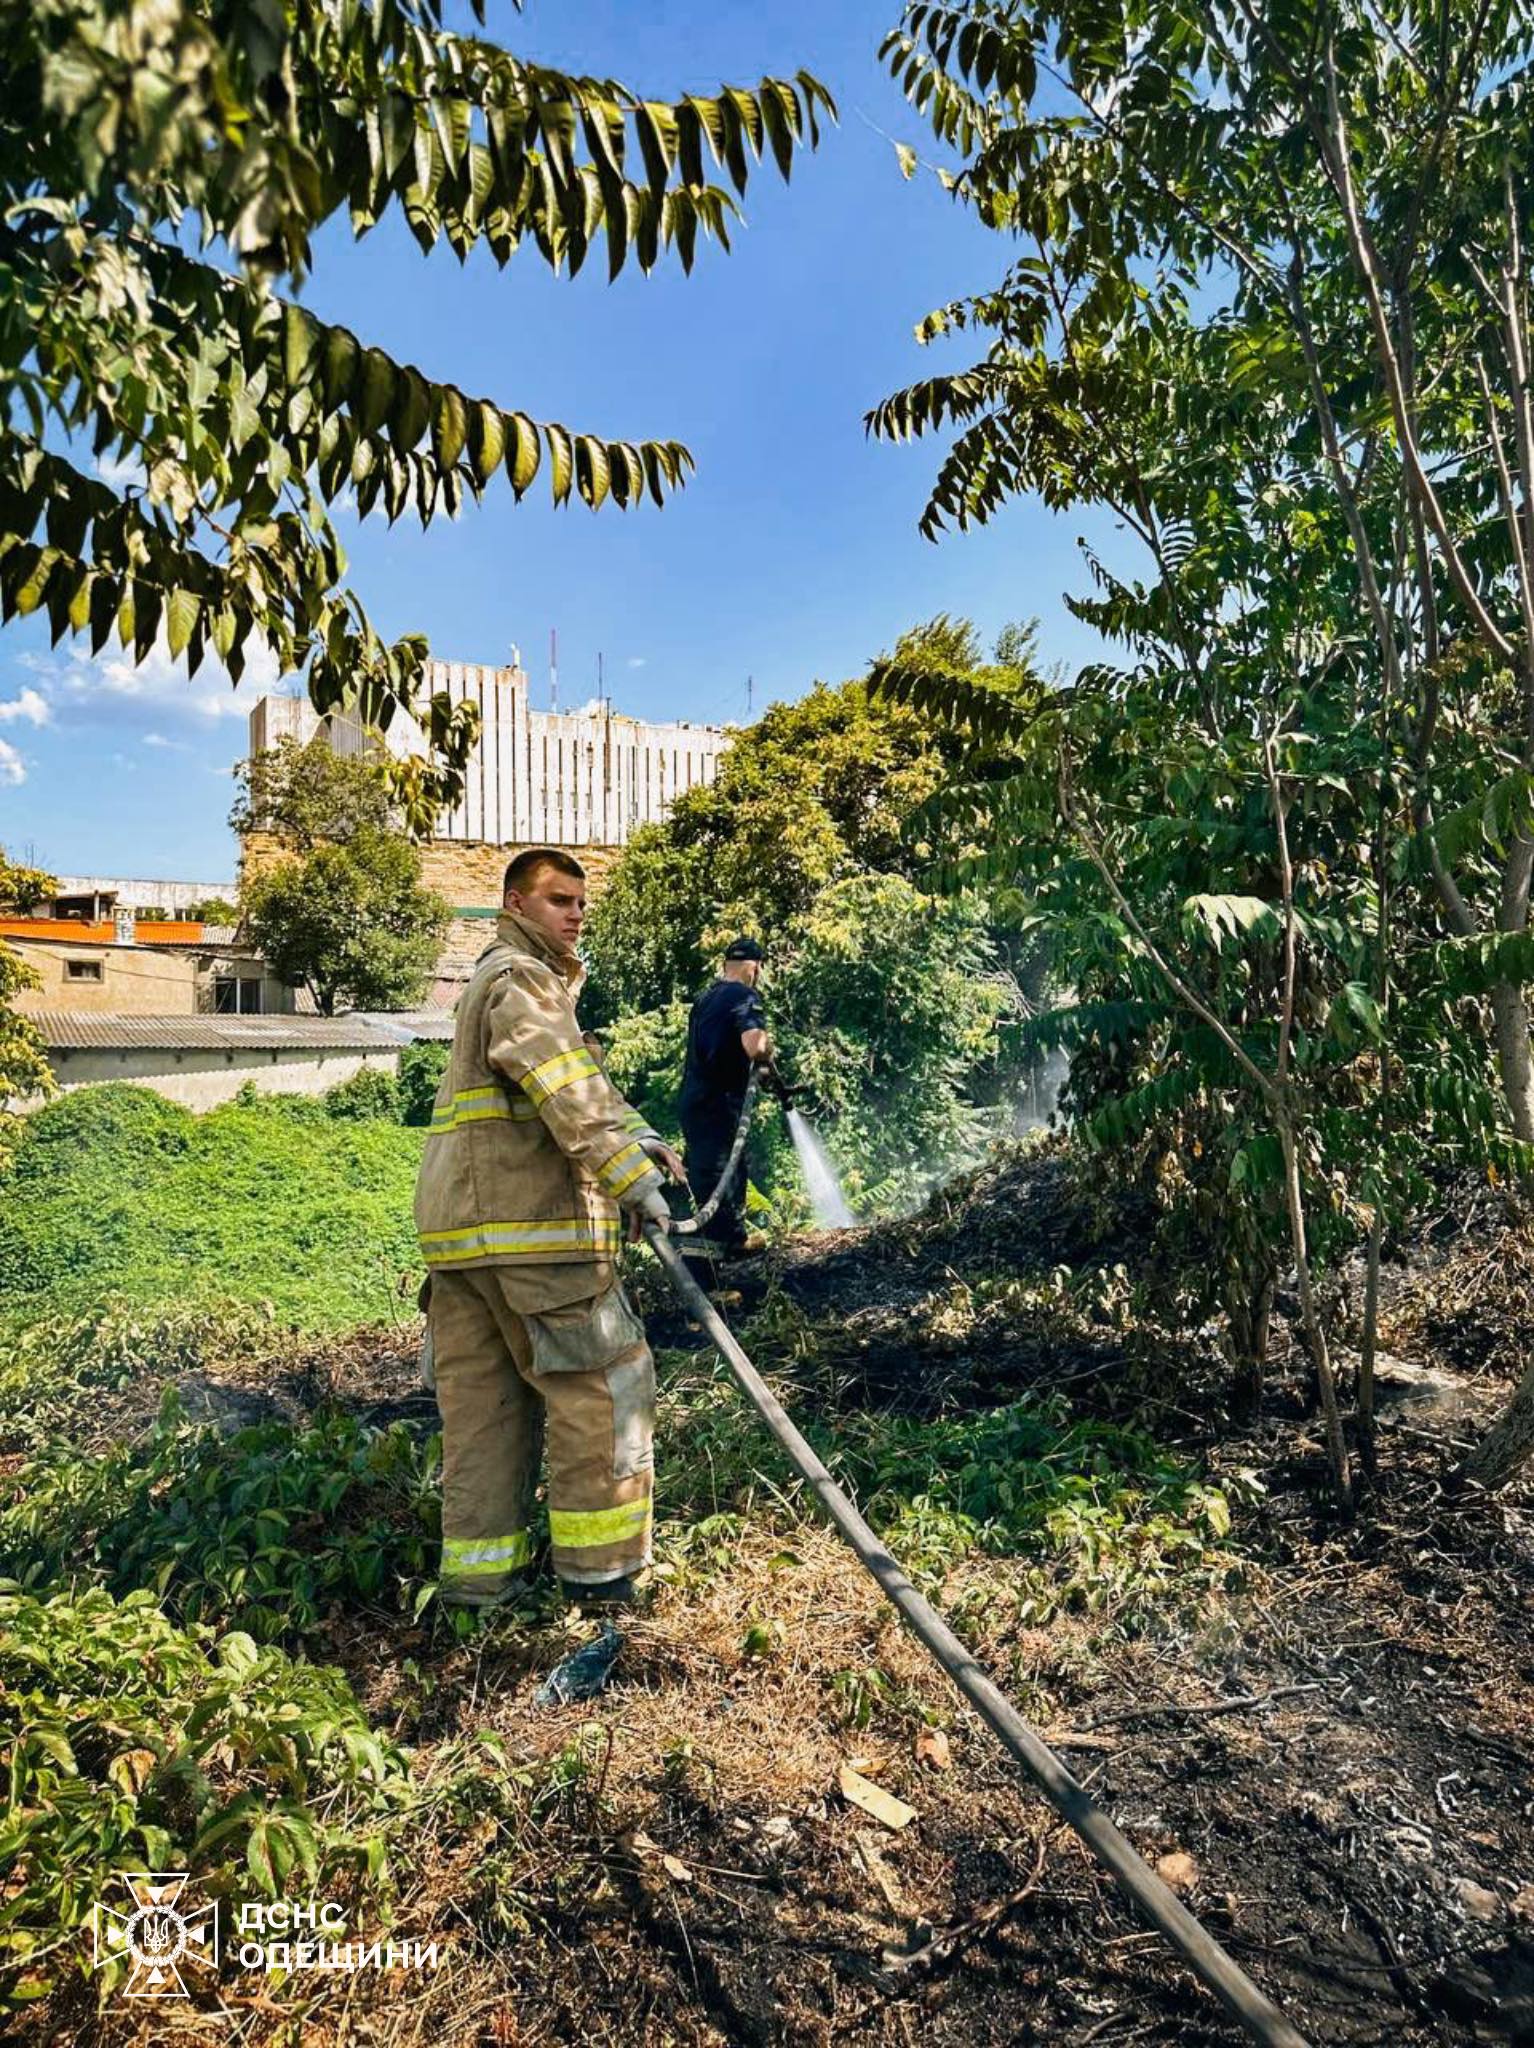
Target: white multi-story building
column 568, row 778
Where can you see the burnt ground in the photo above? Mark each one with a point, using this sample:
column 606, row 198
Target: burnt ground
column 1330, row 1754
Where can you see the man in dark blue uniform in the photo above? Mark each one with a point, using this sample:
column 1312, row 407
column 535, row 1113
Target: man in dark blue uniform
column 726, row 1035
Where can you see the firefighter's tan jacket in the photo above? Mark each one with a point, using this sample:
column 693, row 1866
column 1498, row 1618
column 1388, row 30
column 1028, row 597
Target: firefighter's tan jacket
column 531, row 1147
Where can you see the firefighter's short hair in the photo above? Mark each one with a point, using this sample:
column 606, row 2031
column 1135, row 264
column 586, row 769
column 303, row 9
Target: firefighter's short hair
column 522, row 871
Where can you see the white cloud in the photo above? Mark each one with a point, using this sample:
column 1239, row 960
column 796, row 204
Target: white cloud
column 158, row 739
column 13, row 769
column 31, row 705
column 121, row 471
column 110, row 689
column 636, row 661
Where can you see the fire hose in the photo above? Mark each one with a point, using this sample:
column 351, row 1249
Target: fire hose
column 1210, row 1963
column 685, row 1225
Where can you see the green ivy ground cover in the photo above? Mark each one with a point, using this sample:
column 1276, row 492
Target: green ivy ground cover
column 118, row 1194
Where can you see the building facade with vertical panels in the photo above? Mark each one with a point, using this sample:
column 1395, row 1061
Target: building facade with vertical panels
column 566, row 778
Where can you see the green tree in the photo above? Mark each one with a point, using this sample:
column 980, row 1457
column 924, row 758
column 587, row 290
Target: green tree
column 892, row 1002
column 351, row 922
column 134, row 135
column 23, row 888
column 1271, row 310
column 217, row 910
column 306, row 795
column 421, row 1067
column 24, row 1068
column 815, row 790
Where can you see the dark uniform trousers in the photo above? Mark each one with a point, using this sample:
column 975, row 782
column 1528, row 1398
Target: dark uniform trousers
column 708, row 1131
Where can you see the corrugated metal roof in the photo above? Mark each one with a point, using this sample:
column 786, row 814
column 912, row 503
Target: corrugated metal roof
column 404, row 1027
column 80, row 1031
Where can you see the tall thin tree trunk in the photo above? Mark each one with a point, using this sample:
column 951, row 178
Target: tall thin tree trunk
column 1315, row 1335
column 1515, row 1056
column 1369, row 1345
column 1250, row 1322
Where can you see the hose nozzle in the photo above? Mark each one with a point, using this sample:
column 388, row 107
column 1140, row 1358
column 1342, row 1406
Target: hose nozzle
column 777, row 1083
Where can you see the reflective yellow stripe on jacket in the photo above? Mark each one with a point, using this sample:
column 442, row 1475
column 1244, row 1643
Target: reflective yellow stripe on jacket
column 479, row 1105
column 559, row 1071
column 529, row 1239
column 626, row 1166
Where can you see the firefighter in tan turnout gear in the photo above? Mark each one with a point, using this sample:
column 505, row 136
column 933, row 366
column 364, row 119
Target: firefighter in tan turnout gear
column 531, row 1155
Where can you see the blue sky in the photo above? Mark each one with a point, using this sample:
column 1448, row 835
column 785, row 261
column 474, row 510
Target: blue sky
column 793, row 553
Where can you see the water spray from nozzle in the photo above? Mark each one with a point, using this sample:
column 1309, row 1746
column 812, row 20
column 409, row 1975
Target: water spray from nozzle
column 832, row 1210
column 828, row 1203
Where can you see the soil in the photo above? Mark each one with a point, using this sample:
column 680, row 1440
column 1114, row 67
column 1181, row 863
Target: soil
column 1334, row 1762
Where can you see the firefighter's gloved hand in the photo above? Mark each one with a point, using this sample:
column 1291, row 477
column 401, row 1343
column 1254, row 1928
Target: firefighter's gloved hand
column 649, row 1207
column 668, row 1161
column 774, row 1081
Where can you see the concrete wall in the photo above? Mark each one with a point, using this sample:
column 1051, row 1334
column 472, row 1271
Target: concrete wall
column 202, row 1080
column 553, row 778
column 136, row 981
column 135, row 891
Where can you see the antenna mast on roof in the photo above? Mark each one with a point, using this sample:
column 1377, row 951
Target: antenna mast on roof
column 553, row 668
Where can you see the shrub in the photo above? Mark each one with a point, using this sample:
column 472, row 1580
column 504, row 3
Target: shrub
column 1100, row 1516
column 118, row 1195
column 267, row 1526
column 135, row 1744
column 421, row 1067
column 644, row 1059
column 57, row 1367
column 368, row 1094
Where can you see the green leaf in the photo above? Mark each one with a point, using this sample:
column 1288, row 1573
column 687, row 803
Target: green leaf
column 526, row 452
column 339, row 369
column 237, row 1652
column 592, row 472
column 410, row 414
column 374, row 390
column 561, row 461
column 450, row 425
column 53, row 1743
column 487, row 440
column 181, row 614
column 259, row 1860
column 300, row 336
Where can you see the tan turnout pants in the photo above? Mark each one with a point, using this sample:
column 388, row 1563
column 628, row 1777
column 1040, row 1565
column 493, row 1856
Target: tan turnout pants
column 583, row 1376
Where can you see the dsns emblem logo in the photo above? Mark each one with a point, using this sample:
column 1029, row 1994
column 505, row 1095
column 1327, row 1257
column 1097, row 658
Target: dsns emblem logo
column 157, row 1934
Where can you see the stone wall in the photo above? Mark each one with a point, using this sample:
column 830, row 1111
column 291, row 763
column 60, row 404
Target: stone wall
column 467, row 872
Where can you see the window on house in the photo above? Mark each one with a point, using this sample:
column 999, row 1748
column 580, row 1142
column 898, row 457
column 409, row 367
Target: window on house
column 83, row 970
column 237, row 995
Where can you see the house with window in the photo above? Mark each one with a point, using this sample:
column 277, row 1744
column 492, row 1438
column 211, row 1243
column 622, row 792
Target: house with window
column 144, row 967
